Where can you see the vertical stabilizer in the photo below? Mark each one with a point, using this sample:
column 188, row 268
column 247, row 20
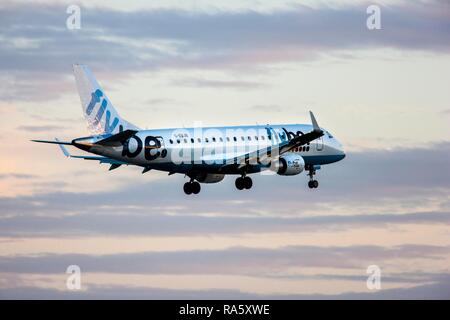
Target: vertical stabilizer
column 100, row 114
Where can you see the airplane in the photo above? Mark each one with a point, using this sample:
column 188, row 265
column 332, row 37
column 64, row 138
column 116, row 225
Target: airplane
column 204, row 155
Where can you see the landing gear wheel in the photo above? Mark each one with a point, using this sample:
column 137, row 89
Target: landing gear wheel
column 248, row 183
column 187, row 188
column 192, row 187
column 239, row 183
column 195, row 187
column 313, row 184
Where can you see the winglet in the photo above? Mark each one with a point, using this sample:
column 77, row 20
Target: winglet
column 63, row 149
column 314, row 122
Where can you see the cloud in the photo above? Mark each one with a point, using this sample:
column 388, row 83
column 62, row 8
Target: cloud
column 238, row 261
column 357, row 191
column 267, row 108
column 37, row 50
column 17, row 176
column 386, row 189
column 435, row 290
column 217, row 83
column 43, row 128
column 97, row 222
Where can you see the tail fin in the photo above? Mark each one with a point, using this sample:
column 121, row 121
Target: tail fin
column 100, row 114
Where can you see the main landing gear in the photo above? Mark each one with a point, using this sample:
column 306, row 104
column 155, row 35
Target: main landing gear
column 191, row 187
column 243, row 183
column 312, row 184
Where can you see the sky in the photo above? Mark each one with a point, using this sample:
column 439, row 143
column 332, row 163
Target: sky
column 383, row 93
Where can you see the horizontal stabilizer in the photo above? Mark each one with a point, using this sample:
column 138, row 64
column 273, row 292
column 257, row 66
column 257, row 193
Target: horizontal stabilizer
column 100, row 158
column 53, row 141
column 114, row 163
column 63, row 149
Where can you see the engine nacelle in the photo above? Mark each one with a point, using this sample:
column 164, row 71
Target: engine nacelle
column 209, row 177
column 290, row 164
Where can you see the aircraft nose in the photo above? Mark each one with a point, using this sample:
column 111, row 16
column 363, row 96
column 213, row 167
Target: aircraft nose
column 340, row 149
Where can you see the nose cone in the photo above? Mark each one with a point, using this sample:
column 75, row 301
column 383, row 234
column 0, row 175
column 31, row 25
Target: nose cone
column 340, row 150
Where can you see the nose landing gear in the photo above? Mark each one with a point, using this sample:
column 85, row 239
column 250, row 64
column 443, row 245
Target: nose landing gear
column 312, row 184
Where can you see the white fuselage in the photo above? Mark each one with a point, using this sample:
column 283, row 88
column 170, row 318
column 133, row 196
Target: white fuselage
column 206, row 149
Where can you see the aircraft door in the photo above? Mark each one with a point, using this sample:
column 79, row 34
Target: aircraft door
column 319, row 144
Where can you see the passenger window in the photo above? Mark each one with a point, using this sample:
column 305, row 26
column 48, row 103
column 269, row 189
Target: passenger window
column 206, row 140
column 171, row 141
column 185, row 140
column 234, row 138
column 192, row 140
column 262, row 137
column 214, row 139
column 242, row 138
column 249, row 138
column 256, row 138
column 199, row 140
column 228, row 139
column 221, row 140
column 178, row 140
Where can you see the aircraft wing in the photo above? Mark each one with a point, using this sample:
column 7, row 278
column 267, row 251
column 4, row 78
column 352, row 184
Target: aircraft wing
column 262, row 154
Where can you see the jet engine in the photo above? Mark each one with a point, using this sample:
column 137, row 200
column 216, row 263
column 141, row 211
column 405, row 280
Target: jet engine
column 209, row 177
column 290, row 164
